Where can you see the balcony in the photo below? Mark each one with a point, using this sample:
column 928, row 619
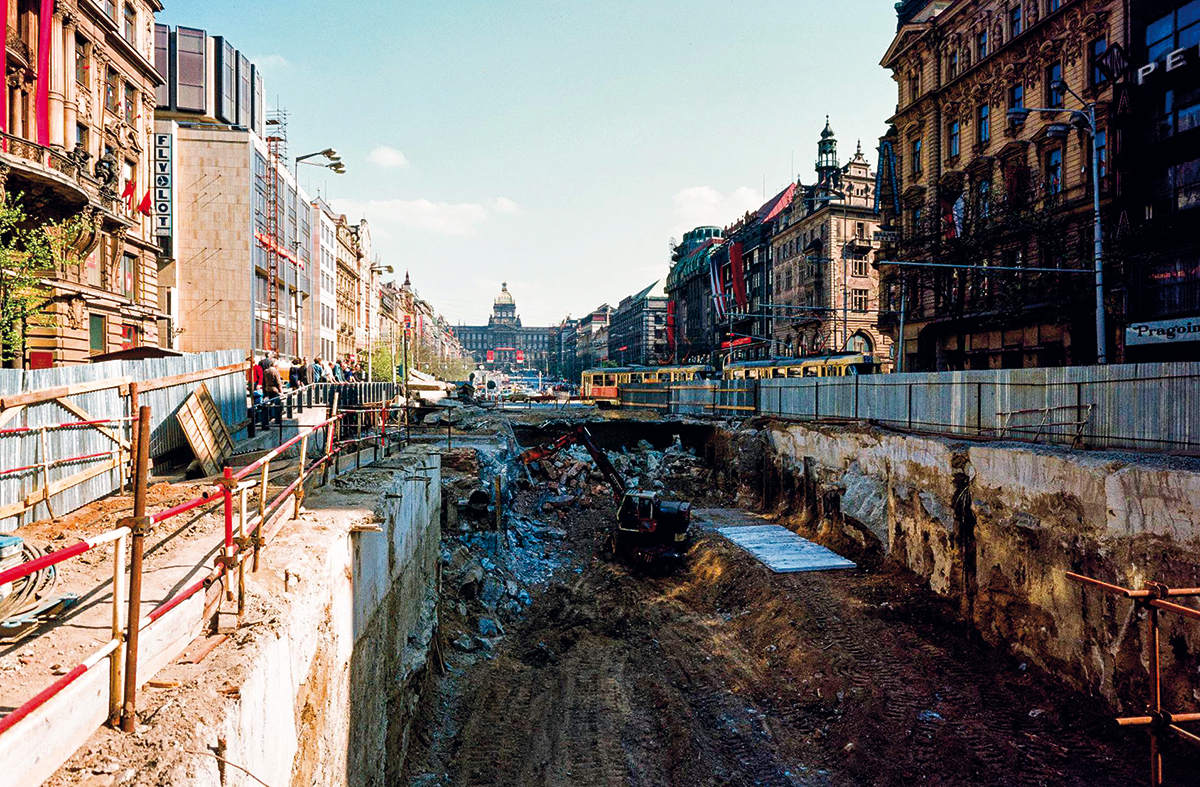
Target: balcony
column 19, row 52
column 51, row 184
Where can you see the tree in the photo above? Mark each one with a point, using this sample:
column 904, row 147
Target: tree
column 30, row 251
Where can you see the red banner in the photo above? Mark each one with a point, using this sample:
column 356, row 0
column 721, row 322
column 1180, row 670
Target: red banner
column 737, row 271
column 671, row 324
column 520, row 356
column 738, row 342
column 491, row 356
column 41, row 102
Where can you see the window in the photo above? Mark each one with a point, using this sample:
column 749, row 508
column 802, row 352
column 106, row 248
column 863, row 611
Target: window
column 1052, row 6
column 916, row 157
column 1014, row 22
column 860, row 229
column 128, row 271
column 1096, row 50
column 955, row 137
column 1016, row 97
column 981, row 45
column 983, row 124
column 983, row 197
column 1054, row 91
column 130, row 336
column 190, row 48
column 97, row 330
column 82, row 67
column 1179, row 112
column 1102, row 151
column 1054, row 182
column 952, row 64
column 81, row 136
column 130, row 29
column 859, row 260
column 914, row 87
column 1179, row 29
column 916, row 216
column 130, row 103
column 858, row 300
column 111, row 90
column 110, row 9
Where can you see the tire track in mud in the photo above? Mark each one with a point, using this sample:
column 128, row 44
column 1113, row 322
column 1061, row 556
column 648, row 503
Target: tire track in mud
column 729, row 675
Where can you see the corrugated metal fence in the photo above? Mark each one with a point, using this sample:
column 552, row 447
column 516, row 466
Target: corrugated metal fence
column 1140, row 406
column 29, row 449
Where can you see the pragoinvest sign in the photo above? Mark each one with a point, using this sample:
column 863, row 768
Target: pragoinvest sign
column 1173, row 60
column 1186, row 329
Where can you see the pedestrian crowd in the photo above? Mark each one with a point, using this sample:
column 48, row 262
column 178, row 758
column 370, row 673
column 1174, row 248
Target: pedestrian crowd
column 266, row 377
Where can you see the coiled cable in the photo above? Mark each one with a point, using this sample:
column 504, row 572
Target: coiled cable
column 28, row 591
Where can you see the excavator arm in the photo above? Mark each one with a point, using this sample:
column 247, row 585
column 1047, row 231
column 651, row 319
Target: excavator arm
column 580, row 435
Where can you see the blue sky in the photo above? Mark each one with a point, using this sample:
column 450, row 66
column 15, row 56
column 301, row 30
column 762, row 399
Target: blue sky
column 557, row 146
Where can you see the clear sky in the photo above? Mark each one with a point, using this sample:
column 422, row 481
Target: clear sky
column 557, row 145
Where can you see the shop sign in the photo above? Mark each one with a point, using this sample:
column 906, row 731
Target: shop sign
column 1173, row 60
column 1185, row 329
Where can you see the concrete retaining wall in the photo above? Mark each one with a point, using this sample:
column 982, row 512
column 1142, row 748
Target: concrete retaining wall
column 330, row 699
column 996, row 526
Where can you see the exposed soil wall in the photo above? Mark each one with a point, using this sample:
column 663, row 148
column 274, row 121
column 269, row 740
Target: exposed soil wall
column 994, row 527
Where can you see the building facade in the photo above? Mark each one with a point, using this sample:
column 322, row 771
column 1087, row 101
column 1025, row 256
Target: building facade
column 325, row 307
column 591, row 349
column 235, row 229
column 970, row 189
column 77, row 124
column 1157, row 99
column 504, row 343
column 348, row 288
column 825, row 288
column 637, row 331
column 690, row 296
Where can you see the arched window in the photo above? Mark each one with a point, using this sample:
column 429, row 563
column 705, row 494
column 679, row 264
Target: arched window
column 861, row 343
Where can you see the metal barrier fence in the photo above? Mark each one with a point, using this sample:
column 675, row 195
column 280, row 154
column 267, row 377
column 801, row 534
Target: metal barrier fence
column 1139, row 406
column 66, row 438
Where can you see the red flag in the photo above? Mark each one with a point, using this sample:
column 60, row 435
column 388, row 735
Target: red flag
column 127, row 194
column 737, row 271
column 144, row 205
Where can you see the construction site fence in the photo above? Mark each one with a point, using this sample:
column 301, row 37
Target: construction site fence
column 1153, row 406
column 63, row 468
column 292, row 402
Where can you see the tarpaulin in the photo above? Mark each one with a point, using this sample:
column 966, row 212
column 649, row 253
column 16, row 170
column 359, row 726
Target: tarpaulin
column 737, row 271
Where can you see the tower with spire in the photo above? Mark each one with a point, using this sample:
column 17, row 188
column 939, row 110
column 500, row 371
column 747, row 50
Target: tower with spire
column 827, row 158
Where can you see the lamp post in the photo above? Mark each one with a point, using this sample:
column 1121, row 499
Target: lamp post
column 375, row 269
column 1084, row 119
column 334, row 161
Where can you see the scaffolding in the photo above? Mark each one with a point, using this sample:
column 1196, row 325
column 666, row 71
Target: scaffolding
column 276, row 153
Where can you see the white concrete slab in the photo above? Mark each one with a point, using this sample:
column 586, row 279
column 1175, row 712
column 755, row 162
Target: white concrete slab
column 782, row 551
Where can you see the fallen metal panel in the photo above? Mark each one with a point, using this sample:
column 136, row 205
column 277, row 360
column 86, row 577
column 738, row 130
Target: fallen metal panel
column 782, row 551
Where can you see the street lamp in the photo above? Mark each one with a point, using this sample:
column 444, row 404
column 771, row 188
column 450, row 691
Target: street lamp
column 334, row 160
column 1084, row 119
column 370, row 349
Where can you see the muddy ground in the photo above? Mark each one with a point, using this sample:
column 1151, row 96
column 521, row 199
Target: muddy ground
column 724, row 673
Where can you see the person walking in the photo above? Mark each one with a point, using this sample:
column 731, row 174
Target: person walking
column 272, row 388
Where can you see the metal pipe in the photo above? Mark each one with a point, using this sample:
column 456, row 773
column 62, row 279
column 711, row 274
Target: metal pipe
column 43, row 696
column 141, row 481
column 118, row 603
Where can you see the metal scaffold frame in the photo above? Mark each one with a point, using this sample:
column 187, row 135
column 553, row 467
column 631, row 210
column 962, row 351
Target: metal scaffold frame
column 276, row 152
column 1158, row 720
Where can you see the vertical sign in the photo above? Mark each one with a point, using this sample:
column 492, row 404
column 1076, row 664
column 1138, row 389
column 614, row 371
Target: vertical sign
column 163, row 175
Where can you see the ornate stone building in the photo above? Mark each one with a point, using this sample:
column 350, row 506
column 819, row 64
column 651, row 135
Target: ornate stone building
column 968, row 187
column 825, row 287
column 77, row 125
column 504, row 343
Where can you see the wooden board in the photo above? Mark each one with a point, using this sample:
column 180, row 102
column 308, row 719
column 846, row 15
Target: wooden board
column 205, row 431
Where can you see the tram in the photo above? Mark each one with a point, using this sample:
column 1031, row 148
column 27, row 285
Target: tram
column 601, row 385
column 836, row 365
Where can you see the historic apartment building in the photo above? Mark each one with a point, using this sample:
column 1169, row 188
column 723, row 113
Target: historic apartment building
column 973, row 188
column 825, row 287
column 689, row 290
column 504, row 343
column 77, row 123
column 348, row 286
column 637, row 331
column 229, row 216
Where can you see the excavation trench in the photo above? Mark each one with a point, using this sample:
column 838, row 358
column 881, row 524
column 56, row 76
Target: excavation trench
column 724, row 673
